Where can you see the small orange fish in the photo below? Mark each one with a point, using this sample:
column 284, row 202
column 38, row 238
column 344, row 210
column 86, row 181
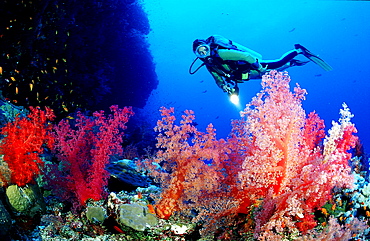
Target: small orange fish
column 139, row 195
column 151, row 209
column 118, row 229
column 64, row 107
column 324, row 211
column 333, row 207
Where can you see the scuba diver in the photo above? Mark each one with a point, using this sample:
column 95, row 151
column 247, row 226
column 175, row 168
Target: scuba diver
column 231, row 63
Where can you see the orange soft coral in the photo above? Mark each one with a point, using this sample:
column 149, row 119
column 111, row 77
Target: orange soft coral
column 184, row 153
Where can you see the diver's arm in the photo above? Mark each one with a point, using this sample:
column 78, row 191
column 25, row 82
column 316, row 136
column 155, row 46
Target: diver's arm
column 218, row 79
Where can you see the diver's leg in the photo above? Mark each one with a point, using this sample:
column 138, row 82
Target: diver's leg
column 282, row 62
column 293, row 62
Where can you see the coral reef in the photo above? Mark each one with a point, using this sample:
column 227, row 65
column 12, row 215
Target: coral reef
column 272, row 168
column 278, row 176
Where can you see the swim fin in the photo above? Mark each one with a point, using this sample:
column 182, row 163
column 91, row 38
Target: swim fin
column 314, row 58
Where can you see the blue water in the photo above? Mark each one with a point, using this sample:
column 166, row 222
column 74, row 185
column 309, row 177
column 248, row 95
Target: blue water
column 338, row 31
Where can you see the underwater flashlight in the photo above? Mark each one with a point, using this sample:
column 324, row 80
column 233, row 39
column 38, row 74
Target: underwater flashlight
column 234, row 98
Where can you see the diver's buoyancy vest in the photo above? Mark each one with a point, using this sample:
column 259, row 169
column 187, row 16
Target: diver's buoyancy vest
column 215, row 62
column 225, row 67
column 220, row 42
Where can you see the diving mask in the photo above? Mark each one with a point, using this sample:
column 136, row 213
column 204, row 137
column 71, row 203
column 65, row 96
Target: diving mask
column 203, row 51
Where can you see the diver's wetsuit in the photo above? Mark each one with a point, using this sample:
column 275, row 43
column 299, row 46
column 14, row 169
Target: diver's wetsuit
column 276, row 64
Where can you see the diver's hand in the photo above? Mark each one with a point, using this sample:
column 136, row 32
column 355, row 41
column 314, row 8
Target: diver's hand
column 257, row 66
column 227, row 89
column 262, row 69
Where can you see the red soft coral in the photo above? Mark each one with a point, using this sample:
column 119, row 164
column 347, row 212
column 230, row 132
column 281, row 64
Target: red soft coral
column 23, row 143
column 84, row 153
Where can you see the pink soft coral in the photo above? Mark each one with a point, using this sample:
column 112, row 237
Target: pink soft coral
column 285, row 166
